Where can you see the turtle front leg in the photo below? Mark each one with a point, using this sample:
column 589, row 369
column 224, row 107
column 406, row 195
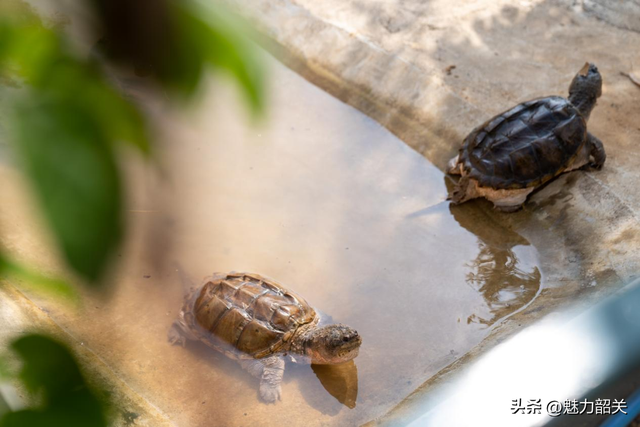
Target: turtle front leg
column 597, row 151
column 270, row 371
column 270, row 383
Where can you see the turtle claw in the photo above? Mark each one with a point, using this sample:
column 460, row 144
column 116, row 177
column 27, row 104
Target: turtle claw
column 270, row 394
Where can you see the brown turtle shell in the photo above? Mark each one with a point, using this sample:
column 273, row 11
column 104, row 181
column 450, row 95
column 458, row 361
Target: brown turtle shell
column 526, row 145
column 245, row 314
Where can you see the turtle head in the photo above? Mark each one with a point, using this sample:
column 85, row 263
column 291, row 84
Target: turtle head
column 332, row 344
column 585, row 89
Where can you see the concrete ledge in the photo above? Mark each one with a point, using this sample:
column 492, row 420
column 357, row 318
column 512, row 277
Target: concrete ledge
column 622, row 14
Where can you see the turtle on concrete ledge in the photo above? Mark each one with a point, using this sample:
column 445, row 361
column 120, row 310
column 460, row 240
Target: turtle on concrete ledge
column 510, row 155
column 258, row 322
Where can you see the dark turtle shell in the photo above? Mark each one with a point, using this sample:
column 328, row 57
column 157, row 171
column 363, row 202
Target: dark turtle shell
column 247, row 314
column 526, row 145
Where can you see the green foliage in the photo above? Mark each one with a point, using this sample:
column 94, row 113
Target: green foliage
column 4, row 406
column 51, row 373
column 66, row 121
column 68, row 117
column 4, row 368
column 72, row 167
column 40, row 283
column 63, row 126
column 217, row 39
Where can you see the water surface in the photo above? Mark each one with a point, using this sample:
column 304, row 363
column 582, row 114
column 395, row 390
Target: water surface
column 329, row 203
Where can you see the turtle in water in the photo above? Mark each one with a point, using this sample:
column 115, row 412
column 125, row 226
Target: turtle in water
column 257, row 322
column 507, row 157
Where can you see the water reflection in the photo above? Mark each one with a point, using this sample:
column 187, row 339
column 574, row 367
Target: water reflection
column 504, row 271
column 341, row 381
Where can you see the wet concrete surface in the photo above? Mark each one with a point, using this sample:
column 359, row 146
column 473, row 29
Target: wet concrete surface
column 326, row 201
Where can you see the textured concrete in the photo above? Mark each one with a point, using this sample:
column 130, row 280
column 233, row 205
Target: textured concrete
column 622, row 14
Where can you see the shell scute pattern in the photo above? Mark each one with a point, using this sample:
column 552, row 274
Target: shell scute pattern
column 495, row 122
column 210, row 310
column 525, row 146
column 247, row 314
column 255, row 337
column 231, row 325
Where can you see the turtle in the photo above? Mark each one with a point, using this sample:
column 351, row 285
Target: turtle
column 259, row 323
column 517, row 151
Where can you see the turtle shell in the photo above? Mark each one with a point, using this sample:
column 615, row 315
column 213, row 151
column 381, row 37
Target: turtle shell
column 245, row 314
column 526, row 145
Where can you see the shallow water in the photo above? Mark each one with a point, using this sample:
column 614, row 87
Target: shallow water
column 327, row 202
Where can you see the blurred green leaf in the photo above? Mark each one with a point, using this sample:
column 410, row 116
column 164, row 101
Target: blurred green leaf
column 177, row 40
column 65, row 125
column 217, row 38
column 73, row 169
column 119, row 119
column 5, row 372
column 50, row 372
column 41, row 57
column 226, row 45
column 34, row 280
column 4, row 406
